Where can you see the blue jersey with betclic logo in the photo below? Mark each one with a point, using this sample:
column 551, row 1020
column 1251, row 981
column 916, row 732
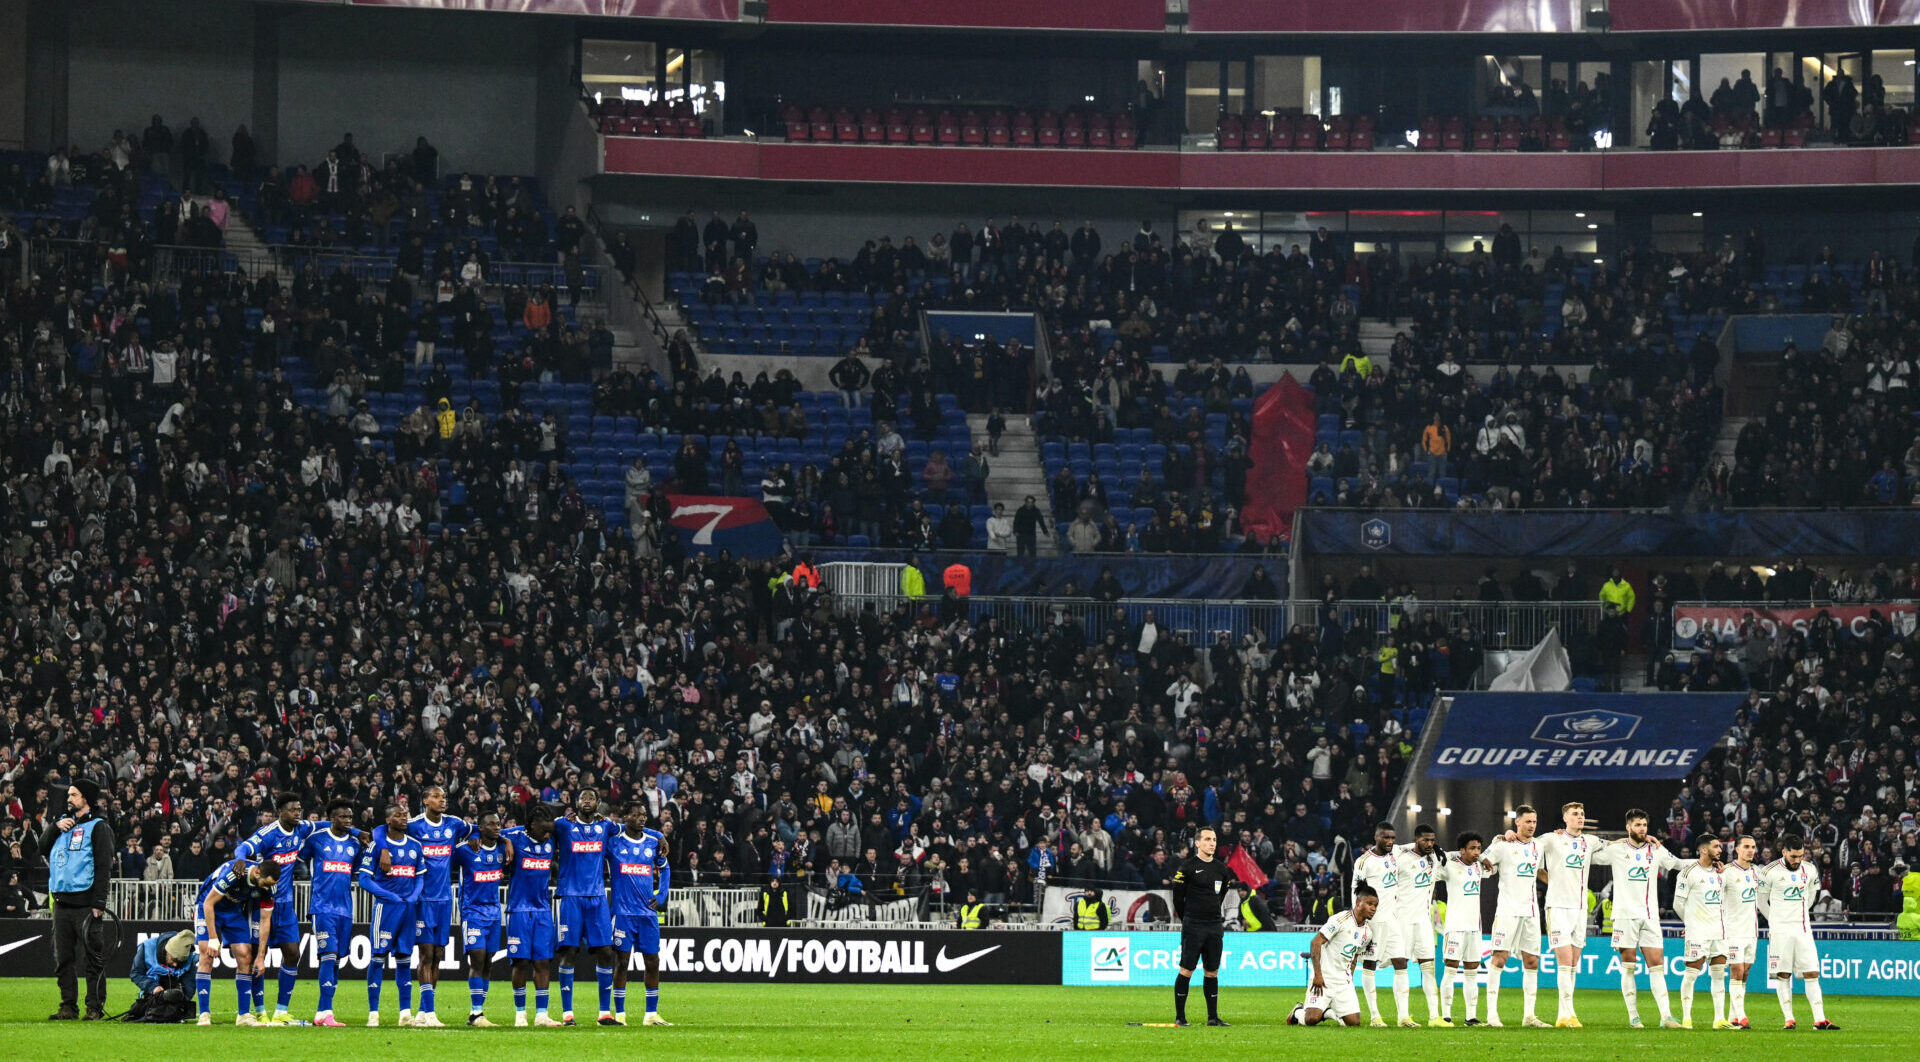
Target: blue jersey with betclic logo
column 581, row 849
column 437, row 841
column 280, row 845
column 332, row 861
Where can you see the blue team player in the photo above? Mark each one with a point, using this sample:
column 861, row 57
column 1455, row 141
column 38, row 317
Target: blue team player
column 332, row 856
column 580, row 848
column 640, row 880
column 530, row 912
column 232, row 909
column 438, row 833
column 392, row 870
column 280, row 842
column 482, row 862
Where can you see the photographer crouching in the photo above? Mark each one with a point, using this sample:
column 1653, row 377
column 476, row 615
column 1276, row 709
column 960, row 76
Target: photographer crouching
column 160, row 967
column 79, row 850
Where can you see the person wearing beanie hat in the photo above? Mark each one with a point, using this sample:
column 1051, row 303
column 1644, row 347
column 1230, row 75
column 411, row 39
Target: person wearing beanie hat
column 79, row 851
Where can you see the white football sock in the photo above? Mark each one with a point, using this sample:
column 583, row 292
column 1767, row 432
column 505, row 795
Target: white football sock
column 1446, row 992
column 1369, row 982
column 1629, row 991
column 1493, row 992
column 1688, row 975
column 1430, row 987
column 1529, row 990
column 1736, row 996
column 1401, row 991
column 1783, row 987
column 1816, row 999
column 1470, row 984
column 1717, row 987
column 1563, row 979
column 1657, row 978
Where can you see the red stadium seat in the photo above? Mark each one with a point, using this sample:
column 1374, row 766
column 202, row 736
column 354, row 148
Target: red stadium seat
column 795, row 121
column 999, row 128
column 1339, row 128
column 923, row 129
column 1124, row 134
column 973, row 128
column 846, row 126
column 1232, row 133
column 898, row 131
column 1046, row 129
column 873, row 130
column 1023, row 129
column 1306, row 133
column 822, row 122
column 1255, row 134
column 1073, row 130
column 1362, row 139
column 1099, row 131
column 1281, row 138
column 948, row 126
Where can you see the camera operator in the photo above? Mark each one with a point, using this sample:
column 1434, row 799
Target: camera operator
column 79, row 851
column 159, row 967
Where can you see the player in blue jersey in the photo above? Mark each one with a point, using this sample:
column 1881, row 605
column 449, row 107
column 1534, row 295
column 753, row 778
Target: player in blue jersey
column 332, row 855
column 232, row 908
column 279, row 842
column 530, row 911
column 482, row 863
column 392, row 869
column 438, row 834
column 638, row 857
column 580, row 848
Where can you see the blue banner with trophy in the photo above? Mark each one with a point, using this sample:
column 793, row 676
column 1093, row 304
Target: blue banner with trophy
column 1557, row 737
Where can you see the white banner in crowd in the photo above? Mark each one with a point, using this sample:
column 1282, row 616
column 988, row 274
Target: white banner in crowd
column 1123, row 905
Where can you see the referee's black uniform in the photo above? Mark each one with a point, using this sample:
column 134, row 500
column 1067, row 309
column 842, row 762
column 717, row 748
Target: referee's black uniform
column 1200, row 889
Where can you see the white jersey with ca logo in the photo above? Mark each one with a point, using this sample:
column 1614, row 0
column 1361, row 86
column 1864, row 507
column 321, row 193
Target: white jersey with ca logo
column 1636, row 890
column 1347, row 944
column 1463, row 910
column 1739, row 906
column 1786, row 898
column 1383, row 873
column 1698, row 896
column 1416, row 873
column 1567, row 859
column 1516, row 911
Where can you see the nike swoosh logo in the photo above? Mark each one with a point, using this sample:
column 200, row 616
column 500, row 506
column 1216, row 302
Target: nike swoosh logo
column 946, row 965
column 4, row 948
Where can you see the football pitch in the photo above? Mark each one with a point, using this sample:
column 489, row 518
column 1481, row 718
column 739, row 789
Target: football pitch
column 871, row 1022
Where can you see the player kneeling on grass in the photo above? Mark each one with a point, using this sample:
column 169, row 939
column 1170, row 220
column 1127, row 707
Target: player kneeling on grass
column 640, row 882
column 159, row 971
column 1338, row 947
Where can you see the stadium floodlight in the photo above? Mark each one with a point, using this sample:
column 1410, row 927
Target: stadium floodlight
column 1415, row 808
column 1444, row 811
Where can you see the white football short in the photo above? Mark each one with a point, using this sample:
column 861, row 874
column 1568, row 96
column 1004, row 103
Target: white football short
column 1742, row 952
column 1464, row 948
column 1416, row 936
column 1705, row 948
column 1388, row 941
column 1334, row 1001
column 1791, row 953
column 1566, row 928
column 1637, row 933
column 1517, row 933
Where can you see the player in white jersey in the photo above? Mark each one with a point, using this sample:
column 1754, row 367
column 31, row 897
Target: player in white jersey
column 1338, row 947
column 1740, row 906
column 1516, row 914
column 1787, row 886
column 1638, row 861
column 1463, row 874
column 1566, row 856
column 1419, row 864
column 1697, row 898
column 1378, row 868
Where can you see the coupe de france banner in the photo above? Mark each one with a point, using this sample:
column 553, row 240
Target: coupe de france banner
column 1563, row 737
column 1704, row 626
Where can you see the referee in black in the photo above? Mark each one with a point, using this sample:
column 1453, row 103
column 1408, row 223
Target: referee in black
column 1200, row 888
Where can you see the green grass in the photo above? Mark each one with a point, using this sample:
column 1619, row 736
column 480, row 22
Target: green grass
column 764, row 1021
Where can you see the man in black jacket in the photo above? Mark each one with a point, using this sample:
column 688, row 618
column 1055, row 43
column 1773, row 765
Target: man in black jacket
column 775, row 910
column 1028, row 522
column 849, row 375
column 79, row 850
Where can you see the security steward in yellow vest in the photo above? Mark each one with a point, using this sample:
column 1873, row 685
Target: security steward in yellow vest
column 1255, row 917
column 973, row 914
column 1089, row 911
column 776, row 909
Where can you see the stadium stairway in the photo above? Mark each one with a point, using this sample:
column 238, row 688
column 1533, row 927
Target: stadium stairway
column 1376, row 339
column 1729, row 437
column 1017, row 472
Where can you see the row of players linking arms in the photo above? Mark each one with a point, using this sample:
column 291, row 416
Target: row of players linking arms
column 1718, row 897
column 407, row 865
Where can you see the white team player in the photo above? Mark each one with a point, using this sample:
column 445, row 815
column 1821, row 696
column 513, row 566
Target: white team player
column 1638, row 861
column 1516, row 914
column 1787, row 886
column 1420, row 862
column 1697, row 898
column 1338, row 947
column 1740, row 906
column 1463, row 874
column 1378, row 868
column 1567, row 855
